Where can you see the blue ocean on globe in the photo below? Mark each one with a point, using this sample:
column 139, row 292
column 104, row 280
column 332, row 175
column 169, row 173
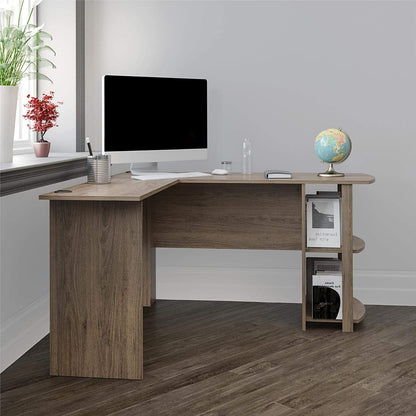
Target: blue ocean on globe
column 332, row 146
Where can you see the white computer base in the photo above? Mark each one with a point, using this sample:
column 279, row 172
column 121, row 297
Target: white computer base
column 138, row 169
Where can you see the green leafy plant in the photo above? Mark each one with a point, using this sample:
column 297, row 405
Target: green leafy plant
column 20, row 47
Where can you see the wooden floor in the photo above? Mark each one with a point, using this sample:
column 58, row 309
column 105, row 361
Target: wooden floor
column 234, row 358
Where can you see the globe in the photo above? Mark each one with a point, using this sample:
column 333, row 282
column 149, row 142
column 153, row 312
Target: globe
column 332, row 146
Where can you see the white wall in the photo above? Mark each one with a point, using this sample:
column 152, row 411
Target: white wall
column 59, row 17
column 279, row 73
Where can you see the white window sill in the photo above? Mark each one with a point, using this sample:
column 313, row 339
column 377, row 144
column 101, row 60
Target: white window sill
column 22, row 151
column 28, row 172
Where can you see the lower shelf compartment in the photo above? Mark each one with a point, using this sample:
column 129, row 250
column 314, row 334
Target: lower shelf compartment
column 358, row 313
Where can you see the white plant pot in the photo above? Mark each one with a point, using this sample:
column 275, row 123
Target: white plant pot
column 8, row 102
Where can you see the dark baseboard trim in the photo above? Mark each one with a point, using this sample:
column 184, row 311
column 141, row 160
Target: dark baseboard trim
column 25, row 178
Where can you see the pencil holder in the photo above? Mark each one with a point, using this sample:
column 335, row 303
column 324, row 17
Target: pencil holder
column 99, row 169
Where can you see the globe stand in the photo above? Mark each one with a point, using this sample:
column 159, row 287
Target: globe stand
column 331, row 172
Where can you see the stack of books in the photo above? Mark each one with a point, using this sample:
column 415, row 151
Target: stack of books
column 277, row 174
column 327, row 289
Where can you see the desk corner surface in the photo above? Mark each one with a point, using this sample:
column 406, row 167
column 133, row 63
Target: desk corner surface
column 121, row 188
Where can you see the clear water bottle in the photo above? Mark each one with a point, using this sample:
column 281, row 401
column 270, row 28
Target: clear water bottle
column 246, row 157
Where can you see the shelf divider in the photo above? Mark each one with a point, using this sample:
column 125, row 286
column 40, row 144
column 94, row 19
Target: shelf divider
column 358, row 245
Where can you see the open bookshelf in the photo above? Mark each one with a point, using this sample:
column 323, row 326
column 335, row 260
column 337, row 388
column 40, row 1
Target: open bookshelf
column 353, row 311
column 358, row 307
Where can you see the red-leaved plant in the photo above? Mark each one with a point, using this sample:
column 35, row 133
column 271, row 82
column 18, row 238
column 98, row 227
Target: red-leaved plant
column 43, row 112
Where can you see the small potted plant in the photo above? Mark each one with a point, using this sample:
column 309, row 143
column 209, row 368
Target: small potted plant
column 43, row 113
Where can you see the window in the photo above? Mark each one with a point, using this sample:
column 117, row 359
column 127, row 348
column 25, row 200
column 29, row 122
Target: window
column 23, row 136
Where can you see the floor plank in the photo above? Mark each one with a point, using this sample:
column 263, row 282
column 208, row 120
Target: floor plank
column 237, row 358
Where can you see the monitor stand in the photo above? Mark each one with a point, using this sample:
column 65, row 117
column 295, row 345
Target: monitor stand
column 138, row 169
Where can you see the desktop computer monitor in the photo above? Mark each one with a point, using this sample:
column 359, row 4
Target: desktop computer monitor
column 149, row 119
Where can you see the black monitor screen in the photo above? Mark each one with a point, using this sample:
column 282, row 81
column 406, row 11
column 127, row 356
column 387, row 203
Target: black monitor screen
column 145, row 113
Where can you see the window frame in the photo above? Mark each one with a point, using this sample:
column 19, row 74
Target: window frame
column 23, row 136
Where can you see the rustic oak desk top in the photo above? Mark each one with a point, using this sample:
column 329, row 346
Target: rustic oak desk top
column 123, row 188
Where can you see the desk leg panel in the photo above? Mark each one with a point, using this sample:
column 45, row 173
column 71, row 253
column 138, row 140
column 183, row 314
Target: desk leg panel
column 96, row 289
column 304, row 269
column 347, row 259
column 149, row 258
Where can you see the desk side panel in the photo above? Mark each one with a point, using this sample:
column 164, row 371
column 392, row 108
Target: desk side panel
column 240, row 216
column 96, row 289
column 149, row 257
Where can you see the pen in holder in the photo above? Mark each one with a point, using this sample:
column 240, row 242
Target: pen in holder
column 99, row 169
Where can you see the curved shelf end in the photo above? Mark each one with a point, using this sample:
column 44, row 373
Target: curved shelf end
column 358, row 244
column 358, row 311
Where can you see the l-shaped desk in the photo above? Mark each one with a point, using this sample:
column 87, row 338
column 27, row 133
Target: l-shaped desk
column 102, row 254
